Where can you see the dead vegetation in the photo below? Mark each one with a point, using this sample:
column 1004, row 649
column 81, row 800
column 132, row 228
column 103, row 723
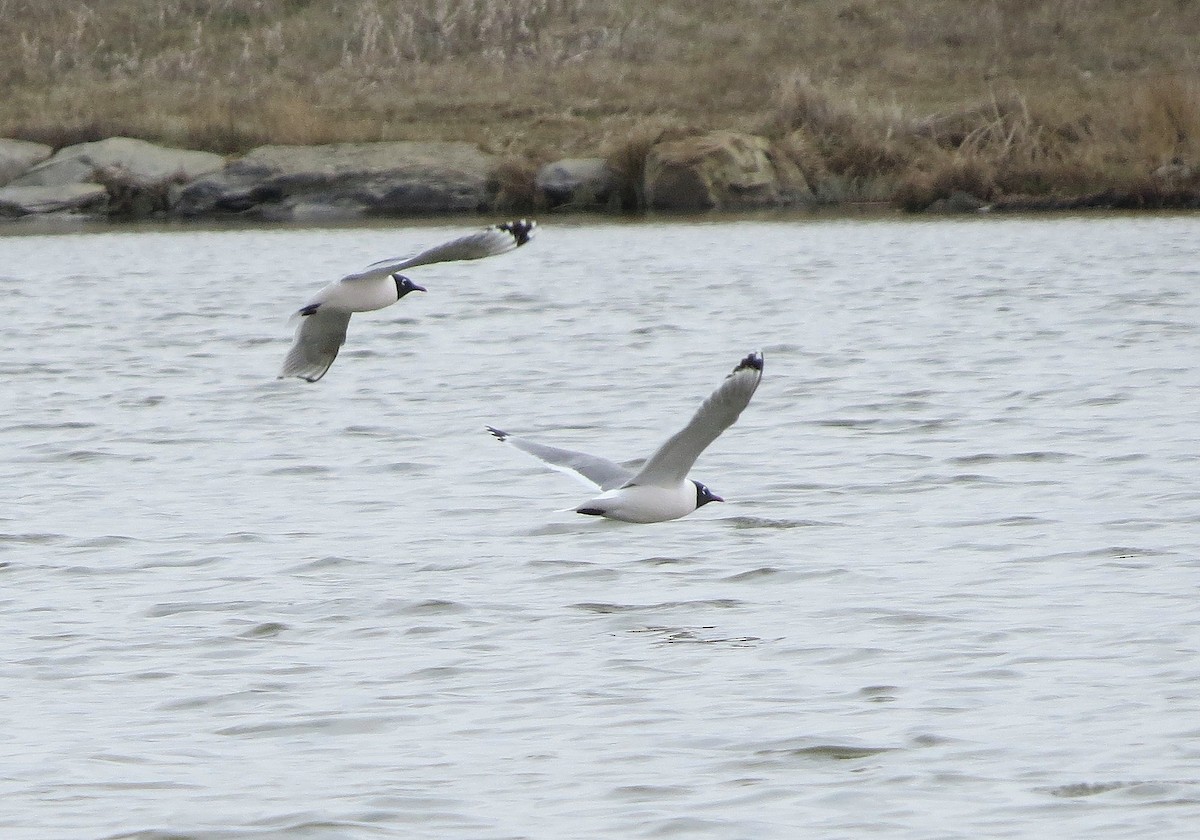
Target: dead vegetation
column 870, row 98
column 1137, row 146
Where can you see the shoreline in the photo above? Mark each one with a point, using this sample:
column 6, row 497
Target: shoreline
column 122, row 179
column 55, row 225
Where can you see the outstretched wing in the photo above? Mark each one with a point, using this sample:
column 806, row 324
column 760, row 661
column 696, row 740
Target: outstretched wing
column 671, row 463
column 318, row 338
column 488, row 242
column 594, row 471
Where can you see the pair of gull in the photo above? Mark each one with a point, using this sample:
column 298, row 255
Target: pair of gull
column 656, row 491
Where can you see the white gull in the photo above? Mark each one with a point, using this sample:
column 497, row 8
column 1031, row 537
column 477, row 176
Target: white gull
column 324, row 319
column 660, row 489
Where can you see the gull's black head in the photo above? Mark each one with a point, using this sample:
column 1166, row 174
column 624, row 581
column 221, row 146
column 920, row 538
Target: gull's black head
column 704, row 495
column 404, row 286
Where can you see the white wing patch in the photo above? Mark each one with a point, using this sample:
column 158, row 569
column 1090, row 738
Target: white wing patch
column 592, row 470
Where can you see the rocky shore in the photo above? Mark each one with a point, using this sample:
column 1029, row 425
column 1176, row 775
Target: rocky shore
column 122, row 178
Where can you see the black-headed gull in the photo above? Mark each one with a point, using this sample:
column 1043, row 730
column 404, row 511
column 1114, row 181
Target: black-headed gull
column 324, row 319
column 660, row 489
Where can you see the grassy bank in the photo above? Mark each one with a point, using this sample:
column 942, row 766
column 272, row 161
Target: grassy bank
column 914, row 97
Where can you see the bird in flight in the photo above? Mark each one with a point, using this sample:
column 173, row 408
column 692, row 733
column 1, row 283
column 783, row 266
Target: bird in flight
column 660, row 489
column 324, row 319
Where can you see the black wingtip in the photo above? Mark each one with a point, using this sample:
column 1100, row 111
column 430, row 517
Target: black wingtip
column 496, row 433
column 521, row 230
column 754, row 360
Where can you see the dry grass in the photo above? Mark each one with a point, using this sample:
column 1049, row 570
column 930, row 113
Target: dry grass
column 514, row 188
column 626, row 155
column 1002, row 147
column 1018, row 96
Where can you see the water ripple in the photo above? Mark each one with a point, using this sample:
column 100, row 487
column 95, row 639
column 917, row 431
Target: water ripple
column 953, row 593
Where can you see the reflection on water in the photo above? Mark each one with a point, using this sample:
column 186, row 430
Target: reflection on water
column 954, row 584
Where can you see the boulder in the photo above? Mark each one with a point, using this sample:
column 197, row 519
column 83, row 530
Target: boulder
column 578, row 184
column 18, row 156
column 346, row 179
column 722, row 170
column 136, row 161
column 73, row 198
column 136, row 174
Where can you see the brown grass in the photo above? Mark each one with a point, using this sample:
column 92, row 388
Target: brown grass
column 1031, row 96
column 626, row 155
column 514, row 185
column 1002, row 147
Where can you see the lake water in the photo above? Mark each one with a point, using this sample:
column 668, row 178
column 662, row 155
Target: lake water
column 953, row 592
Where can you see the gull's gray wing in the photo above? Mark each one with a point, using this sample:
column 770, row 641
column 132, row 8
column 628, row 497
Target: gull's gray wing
column 488, row 242
column 318, row 338
column 594, row 471
column 671, row 463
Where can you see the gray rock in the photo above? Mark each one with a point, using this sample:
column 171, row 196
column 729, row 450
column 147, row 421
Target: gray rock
column 722, row 170
column 137, row 175
column 314, row 212
column 75, row 198
column 578, row 184
column 347, row 179
column 18, row 156
column 132, row 161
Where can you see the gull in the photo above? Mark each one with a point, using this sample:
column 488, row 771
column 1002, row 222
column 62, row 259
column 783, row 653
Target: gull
column 324, row 319
column 660, row 489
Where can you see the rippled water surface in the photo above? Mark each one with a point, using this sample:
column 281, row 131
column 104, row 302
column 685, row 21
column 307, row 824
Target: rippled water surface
column 953, row 592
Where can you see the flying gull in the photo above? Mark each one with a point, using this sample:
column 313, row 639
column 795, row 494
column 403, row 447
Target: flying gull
column 324, row 319
column 660, row 489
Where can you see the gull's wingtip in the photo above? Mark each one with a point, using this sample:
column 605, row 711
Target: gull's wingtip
column 521, row 230
column 754, row 360
column 497, row 434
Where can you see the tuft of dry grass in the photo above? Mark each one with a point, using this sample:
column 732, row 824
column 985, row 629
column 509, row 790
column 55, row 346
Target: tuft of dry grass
column 515, row 190
column 626, row 156
column 851, row 138
column 1165, row 119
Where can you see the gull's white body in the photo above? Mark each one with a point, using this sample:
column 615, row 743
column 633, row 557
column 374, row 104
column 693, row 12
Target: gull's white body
column 660, row 489
column 326, row 317
column 357, row 296
column 643, row 503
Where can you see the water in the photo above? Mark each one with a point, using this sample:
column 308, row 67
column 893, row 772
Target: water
column 952, row 594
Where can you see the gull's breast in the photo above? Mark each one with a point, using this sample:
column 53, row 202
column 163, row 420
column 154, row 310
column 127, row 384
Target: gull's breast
column 644, row 503
column 362, row 295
